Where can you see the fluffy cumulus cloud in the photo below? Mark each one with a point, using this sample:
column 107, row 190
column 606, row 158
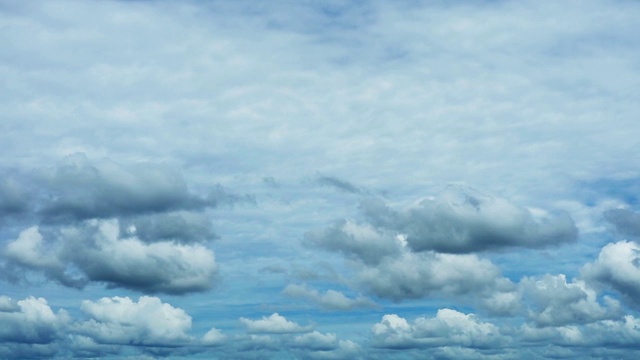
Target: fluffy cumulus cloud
column 607, row 334
column 456, row 222
column 617, row 267
column 115, row 326
column 135, row 226
column 556, row 302
column 503, row 300
column 214, row 337
column 30, row 250
column 412, row 276
column 96, row 252
column 149, row 322
column 273, row 324
column 388, row 267
column 30, row 321
column 317, row 341
column 448, row 328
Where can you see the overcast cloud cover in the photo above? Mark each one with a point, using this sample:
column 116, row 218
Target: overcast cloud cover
column 319, row 179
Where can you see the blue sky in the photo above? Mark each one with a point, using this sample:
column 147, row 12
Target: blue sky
column 319, row 180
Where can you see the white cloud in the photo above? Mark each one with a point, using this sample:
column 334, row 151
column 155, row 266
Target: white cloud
column 214, row 337
column 447, row 328
column 623, row 333
column 273, row 324
column 149, row 322
column 317, row 341
column 503, row 300
column 128, row 262
column 618, row 267
column 29, row 249
column 619, row 333
column 31, row 321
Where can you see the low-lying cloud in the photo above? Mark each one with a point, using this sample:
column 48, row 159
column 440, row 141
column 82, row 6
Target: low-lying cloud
column 96, row 252
column 273, row 324
column 448, row 328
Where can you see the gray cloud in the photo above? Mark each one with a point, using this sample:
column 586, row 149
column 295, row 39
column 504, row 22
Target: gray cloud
column 80, row 189
column 317, row 341
column 158, row 245
column 330, row 299
column 181, row 226
column 389, row 268
column 339, row 184
column 460, row 221
column 604, row 335
column 412, row 276
column 14, row 198
column 96, row 252
column 625, row 221
column 316, row 345
column 360, row 241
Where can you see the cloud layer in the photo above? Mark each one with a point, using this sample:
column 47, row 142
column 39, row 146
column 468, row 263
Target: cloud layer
column 296, row 180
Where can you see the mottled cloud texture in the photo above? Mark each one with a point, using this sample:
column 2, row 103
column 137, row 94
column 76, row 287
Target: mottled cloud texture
column 319, row 180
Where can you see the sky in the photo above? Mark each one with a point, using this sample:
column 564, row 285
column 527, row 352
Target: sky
column 319, row 179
